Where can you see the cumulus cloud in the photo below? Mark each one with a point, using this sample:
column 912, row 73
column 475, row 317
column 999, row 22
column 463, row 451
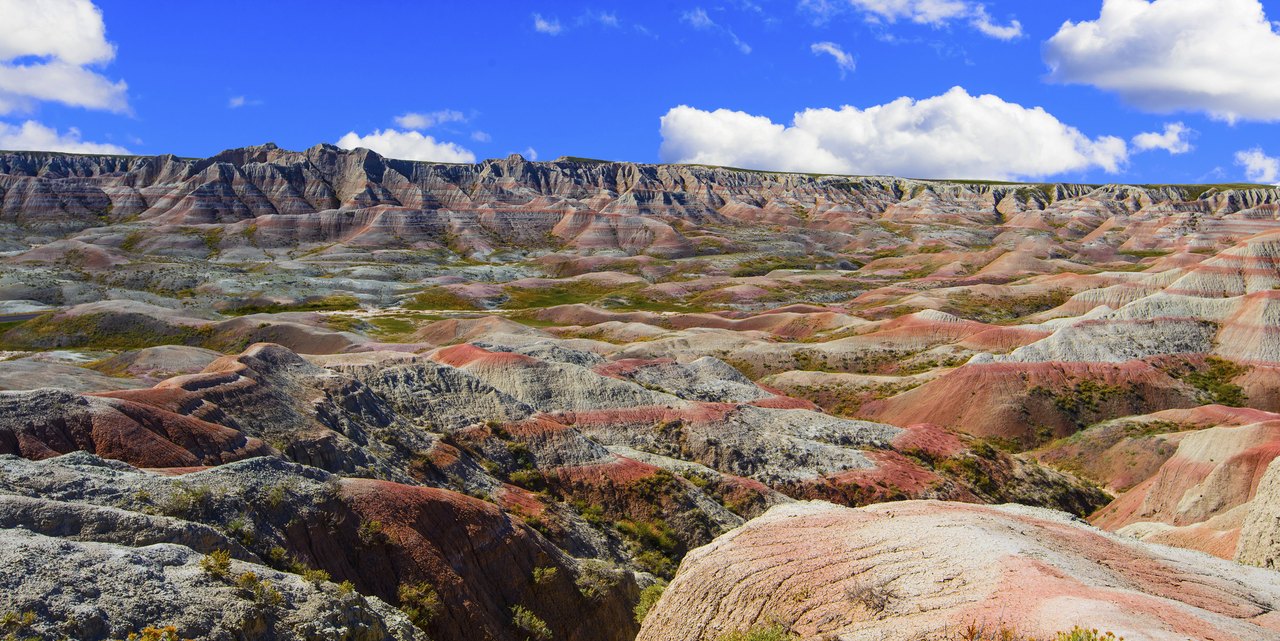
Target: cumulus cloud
column 1175, row 139
column 34, row 136
column 1219, row 57
column 56, row 41
column 936, row 13
column 481, row 136
column 699, row 19
column 954, row 135
column 427, row 120
column 407, row 145
column 1258, row 166
column 843, row 59
column 549, row 26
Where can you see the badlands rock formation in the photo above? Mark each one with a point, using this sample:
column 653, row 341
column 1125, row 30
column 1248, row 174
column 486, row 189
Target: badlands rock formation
column 501, row 400
column 928, row 570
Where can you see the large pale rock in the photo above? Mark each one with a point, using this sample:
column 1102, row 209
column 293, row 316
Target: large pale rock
column 915, row 570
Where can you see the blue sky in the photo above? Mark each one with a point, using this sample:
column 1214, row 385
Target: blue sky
column 595, row 79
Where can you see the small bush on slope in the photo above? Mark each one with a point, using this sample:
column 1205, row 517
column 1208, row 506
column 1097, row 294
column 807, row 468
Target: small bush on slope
column 648, row 598
column 526, row 620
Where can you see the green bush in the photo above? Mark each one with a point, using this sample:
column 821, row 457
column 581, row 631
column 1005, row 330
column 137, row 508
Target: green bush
column 544, row 575
column 17, row 626
column 420, row 602
column 526, row 620
column 260, row 590
column 596, row 579
column 217, row 564
column 371, row 534
column 648, row 598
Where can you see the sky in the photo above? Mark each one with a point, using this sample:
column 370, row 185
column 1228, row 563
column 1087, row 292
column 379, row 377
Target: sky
column 1101, row 91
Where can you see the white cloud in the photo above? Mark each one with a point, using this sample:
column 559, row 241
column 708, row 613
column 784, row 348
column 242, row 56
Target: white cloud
column 34, row 136
column 416, row 120
column 1258, row 166
column 69, row 30
column 981, row 21
column 237, row 102
column 530, row 153
column 407, row 145
column 480, row 136
column 549, row 26
column 954, row 135
column 844, row 60
column 699, row 19
column 1220, row 57
column 1176, row 139
column 935, row 13
column 55, row 39
column 604, row 18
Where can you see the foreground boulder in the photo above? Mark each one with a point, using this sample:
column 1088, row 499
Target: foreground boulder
column 926, row 570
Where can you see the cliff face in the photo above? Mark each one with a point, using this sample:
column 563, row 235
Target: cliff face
column 325, row 194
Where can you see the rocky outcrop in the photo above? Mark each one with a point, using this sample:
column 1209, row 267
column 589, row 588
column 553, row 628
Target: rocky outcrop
column 48, row 422
column 1259, row 542
column 468, row 563
column 102, row 591
column 929, row 570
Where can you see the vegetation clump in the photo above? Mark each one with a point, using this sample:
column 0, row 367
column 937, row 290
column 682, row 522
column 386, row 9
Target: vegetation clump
column 420, row 602
column 1215, row 381
column 648, row 598
column 993, row 309
column 217, row 564
column 524, row 619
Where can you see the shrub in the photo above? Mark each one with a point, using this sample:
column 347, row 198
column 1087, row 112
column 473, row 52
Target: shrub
column 420, row 602
column 656, row 563
column 16, row 626
column 260, row 591
column 526, row 620
column 650, row 534
column 371, row 534
column 1081, row 634
column 544, row 575
column 167, row 633
column 217, row 564
column 595, row 579
column 186, row 501
column 648, row 598
column 315, row 576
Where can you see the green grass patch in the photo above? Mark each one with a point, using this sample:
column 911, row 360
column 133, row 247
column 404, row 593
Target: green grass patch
column 763, row 265
column 991, row 309
column 441, row 298
column 1214, row 380
column 117, row 332
column 1144, row 253
column 318, row 304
